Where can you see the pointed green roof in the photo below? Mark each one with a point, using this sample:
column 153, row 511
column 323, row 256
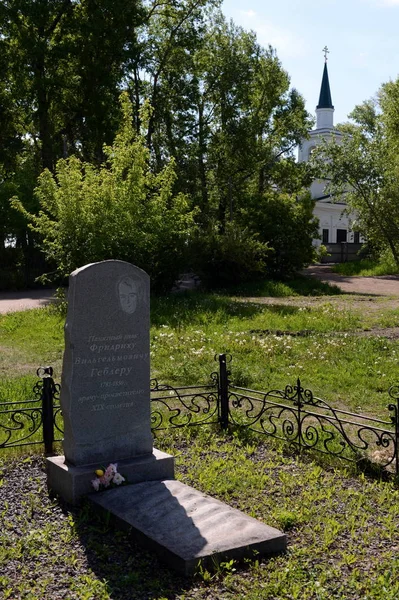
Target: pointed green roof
column 325, row 94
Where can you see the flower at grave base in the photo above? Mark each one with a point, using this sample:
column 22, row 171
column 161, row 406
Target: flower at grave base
column 112, row 468
column 105, row 480
column 96, row 484
column 118, row 479
column 107, row 477
column 109, row 474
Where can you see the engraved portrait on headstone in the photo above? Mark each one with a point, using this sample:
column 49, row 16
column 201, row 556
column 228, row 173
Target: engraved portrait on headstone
column 128, row 293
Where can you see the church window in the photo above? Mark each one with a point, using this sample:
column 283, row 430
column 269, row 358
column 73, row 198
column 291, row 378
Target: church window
column 341, row 235
column 325, row 236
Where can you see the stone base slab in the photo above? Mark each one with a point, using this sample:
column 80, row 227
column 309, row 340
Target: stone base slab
column 72, row 483
column 186, row 527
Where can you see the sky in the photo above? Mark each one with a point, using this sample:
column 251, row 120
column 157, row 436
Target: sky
column 362, row 37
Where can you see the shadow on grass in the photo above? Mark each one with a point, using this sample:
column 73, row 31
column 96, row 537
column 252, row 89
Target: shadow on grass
column 298, row 286
column 198, row 307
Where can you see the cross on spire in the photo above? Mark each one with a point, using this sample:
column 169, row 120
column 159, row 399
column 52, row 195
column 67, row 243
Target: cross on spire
column 326, row 51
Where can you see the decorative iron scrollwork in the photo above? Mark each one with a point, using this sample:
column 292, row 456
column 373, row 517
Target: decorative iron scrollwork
column 295, row 415
column 19, row 422
column 183, row 406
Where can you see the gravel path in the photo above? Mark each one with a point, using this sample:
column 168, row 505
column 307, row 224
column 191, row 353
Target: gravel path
column 25, row 300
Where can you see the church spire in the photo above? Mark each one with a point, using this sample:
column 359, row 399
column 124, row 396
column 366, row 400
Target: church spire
column 325, row 108
column 325, row 94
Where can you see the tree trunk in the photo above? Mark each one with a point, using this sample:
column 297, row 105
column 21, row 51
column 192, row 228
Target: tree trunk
column 201, row 160
column 151, row 122
column 136, row 99
column 43, row 107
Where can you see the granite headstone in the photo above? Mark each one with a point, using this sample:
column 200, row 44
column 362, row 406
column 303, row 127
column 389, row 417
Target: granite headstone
column 105, row 389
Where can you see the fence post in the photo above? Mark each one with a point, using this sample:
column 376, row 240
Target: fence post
column 223, row 392
column 299, row 406
column 394, row 394
column 397, row 437
column 47, row 409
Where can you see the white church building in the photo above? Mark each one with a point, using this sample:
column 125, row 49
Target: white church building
column 335, row 225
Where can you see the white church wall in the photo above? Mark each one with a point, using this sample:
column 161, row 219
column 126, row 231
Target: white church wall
column 332, row 218
column 324, row 118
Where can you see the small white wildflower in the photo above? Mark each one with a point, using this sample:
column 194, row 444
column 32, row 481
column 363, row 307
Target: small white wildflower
column 118, row 479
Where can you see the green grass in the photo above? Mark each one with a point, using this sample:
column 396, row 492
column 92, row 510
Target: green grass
column 272, row 344
column 366, row 268
column 30, row 339
column 342, row 526
column 342, row 531
column 298, row 286
column 335, row 363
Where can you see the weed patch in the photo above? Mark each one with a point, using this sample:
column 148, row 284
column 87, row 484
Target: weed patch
column 366, row 268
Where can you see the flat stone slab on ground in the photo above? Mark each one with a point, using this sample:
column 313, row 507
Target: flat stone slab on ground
column 186, row 527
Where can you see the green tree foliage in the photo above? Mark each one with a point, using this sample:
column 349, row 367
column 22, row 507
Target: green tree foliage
column 119, row 210
column 223, row 115
column 228, row 117
column 65, row 61
column 226, row 113
column 286, row 223
column 364, row 168
column 62, row 63
column 229, row 257
column 256, row 121
column 21, row 261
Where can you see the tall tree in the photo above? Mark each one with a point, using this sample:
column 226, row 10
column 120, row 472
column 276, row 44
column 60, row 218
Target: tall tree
column 65, row 62
column 62, row 64
column 364, row 168
column 222, row 108
column 256, row 120
column 221, row 105
column 226, row 112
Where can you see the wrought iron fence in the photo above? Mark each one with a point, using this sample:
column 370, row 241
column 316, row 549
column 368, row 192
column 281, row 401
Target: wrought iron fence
column 184, row 406
column 32, row 421
column 293, row 415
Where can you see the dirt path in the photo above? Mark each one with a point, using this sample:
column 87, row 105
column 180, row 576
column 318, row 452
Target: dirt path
column 24, row 300
column 386, row 285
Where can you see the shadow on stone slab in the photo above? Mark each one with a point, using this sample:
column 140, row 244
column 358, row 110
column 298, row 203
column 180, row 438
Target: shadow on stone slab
column 187, row 528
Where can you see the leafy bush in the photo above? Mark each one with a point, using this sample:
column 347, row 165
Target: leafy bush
column 285, row 223
column 121, row 210
column 231, row 257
